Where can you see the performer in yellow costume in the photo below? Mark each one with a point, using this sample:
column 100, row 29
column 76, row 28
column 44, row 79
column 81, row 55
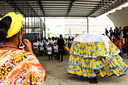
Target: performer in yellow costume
column 91, row 54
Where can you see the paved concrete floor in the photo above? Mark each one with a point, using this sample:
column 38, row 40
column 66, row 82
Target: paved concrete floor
column 57, row 74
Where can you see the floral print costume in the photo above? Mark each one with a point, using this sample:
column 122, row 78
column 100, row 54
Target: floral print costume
column 88, row 57
column 20, row 68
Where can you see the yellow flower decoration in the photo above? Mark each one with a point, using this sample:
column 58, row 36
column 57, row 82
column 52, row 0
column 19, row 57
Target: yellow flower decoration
column 21, row 17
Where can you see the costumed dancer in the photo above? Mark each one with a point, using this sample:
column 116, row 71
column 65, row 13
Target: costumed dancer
column 91, row 54
column 17, row 67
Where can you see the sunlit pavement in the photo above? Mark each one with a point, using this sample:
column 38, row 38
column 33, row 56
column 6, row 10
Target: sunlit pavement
column 57, row 74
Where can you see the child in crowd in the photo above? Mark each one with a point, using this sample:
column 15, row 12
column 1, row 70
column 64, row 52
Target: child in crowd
column 49, row 49
column 55, row 47
column 46, row 46
column 36, row 47
column 41, row 47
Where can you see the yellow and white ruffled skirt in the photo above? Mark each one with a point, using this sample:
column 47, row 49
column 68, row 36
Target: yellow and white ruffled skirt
column 88, row 59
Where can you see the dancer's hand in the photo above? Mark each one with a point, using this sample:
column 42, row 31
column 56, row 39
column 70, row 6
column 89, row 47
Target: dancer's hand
column 28, row 46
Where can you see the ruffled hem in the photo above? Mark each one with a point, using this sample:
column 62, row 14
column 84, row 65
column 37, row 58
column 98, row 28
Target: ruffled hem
column 82, row 76
column 93, row 49
column 88, row 73
column 96, row 63
column 95, row 56
column 96, row 76
column 88, row 59
column 96, row 68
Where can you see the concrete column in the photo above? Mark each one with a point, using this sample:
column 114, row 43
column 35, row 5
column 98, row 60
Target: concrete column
column 44, row 28
column 87, row 25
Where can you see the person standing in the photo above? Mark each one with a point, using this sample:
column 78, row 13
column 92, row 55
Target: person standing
column 36, row 47
column 122, row 40
column 41, row 47
column 116, row 31
column 69, row 42
column 66, row 42
column 49, row 48
column 55, row 47
column 55, row 39
column 111, row 31
column 60, row 44
column 106, row 31
column 120, row 31
column 17, row 67
column 52, row 41
column 118, row 43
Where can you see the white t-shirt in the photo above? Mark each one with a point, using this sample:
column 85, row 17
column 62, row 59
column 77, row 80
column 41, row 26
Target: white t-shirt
column 55, row 41
column 71, row 42
column 38, row 41
column 49, row 50
column 35, row 45
column 66, row 42
column 41, row 46
column 52, row 42
column 49, row 41
column 46, row 44
column 55, row 48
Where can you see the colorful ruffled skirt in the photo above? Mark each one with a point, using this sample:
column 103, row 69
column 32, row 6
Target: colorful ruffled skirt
column 89, row 59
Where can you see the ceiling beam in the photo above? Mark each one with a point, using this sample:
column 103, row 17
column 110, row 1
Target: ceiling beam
column 41, row 7
column 13, row 4
column 64, row 8
column 70, row 7
column 108, row 1
column 32, row 8
column 97, row 8
column 112, row 6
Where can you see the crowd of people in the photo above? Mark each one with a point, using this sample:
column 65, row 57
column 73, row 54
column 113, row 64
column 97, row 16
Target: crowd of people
column 90, row 54
column 51, row 46
column 119, row 37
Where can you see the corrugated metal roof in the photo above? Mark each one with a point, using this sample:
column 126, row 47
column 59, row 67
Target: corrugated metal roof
column 59, row 8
